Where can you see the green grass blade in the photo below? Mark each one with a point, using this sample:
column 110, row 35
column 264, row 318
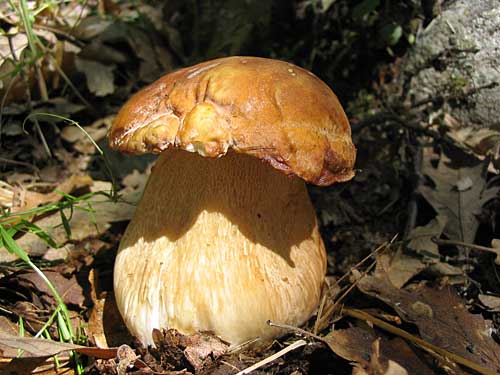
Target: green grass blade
column 65, row 223
column 11, row 246
column 39, row 232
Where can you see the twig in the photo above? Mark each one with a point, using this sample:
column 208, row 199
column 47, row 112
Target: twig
column 294, row 329
column 430, row 348
column 471, row 246
column 62, row 33
column 329, row 310
column 417, row 181
column 326, row 295
column 242, row 346
column 230, row 365
column 332, row 308
column 377, row 118
column 408, row 116
column 16, row 162
column 466, row 93
column 265, row 361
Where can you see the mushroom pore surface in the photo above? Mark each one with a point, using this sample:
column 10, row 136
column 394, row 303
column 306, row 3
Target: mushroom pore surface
column 221, row 245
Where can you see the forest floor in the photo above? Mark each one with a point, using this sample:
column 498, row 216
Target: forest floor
column 413, row 240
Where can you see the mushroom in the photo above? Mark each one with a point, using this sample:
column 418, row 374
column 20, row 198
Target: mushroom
column 225, row 237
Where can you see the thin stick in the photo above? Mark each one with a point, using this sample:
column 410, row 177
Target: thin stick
column 464, row 244
column 22, row 163
column 230, row 365
column 330, row 309
column 265, row 361
column 432, row 349
column 371, row 255
column 294, row 329
column 324, row 300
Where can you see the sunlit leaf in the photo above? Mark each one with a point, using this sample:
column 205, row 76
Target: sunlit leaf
column 391, row 33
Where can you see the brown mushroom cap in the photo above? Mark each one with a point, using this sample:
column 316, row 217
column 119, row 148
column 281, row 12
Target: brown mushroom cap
column 269, row 109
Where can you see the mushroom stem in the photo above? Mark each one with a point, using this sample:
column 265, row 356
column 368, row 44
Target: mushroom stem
column 220, row 245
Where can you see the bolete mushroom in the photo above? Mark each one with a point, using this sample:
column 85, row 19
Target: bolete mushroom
column 225, row 236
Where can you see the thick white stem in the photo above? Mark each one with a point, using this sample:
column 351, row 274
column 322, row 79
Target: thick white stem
column 222, row 245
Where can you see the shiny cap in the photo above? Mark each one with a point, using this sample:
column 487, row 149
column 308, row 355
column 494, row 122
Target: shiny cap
column 270, row 109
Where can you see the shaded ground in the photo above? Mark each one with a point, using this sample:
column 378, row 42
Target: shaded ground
column 423, row 203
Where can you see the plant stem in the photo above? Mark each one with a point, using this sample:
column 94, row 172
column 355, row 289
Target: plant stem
column 31, row 42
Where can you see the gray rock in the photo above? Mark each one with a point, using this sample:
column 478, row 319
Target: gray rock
column 459, row 53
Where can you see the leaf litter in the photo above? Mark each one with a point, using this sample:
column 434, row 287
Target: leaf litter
column 441, row 317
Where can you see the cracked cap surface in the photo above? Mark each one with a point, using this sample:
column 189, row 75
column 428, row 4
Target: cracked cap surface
column 270, row 109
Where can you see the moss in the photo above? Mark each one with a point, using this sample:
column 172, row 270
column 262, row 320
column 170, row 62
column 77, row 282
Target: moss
column 362, row 104
column 457, row 84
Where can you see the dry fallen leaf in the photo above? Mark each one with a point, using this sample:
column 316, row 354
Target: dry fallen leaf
column 126, row 359
column 7, row 327
column 418, row 255
column 492, row 303
column 482, row 141
column 421, row 237
column 32, row 365
column 100, row 78
column 404, row 266
column 441, row 317
column 69, row 289
column 10, row 345
column 105, row 326
column 35, row 351
column 457, row 192
column 374, row 353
